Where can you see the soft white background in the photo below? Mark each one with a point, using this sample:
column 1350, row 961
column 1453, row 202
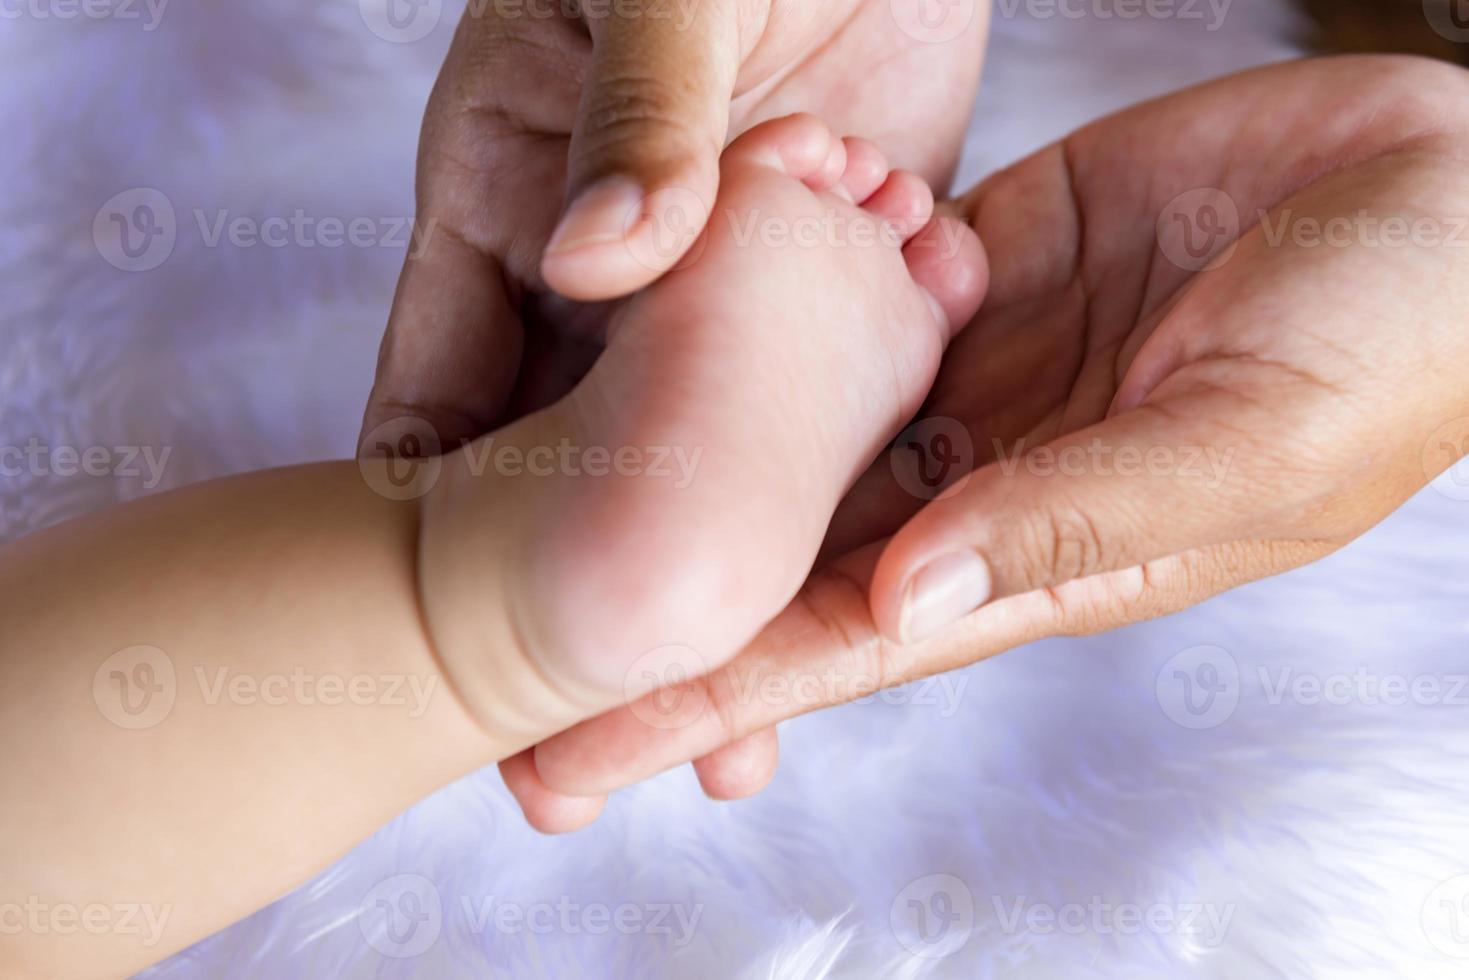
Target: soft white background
column 1328, row 834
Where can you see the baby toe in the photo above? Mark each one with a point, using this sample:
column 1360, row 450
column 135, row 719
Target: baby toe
column 947, row 261
column 867, row 168
column 800, row 145
column 904, row 203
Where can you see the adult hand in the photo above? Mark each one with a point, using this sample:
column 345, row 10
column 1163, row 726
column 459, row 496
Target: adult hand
column 1224, row 337
column 622, row 112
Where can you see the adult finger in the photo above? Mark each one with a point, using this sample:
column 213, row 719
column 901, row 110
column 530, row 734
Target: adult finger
column 825, row 649
column 450, row 355
column 731, row 772
column 545, row 809
column 452, row 351
column 644, row 163
column 742, row 768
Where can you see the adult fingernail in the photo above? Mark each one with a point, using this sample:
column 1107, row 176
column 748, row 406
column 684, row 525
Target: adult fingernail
column 601, row 214
column 941, row 592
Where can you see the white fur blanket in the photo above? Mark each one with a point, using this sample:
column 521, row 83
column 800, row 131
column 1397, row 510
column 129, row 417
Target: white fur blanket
column 1077, row 808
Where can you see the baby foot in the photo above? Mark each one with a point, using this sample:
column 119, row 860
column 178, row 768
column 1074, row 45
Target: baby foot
column 737, row 400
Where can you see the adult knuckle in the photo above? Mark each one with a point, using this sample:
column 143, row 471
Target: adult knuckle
column 1064, row 544
column 1131, row 591
column 624, row 104
column 1105, row 602
column 1085, row 609
column 722, row 697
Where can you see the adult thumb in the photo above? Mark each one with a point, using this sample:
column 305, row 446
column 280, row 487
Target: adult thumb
column 644, row 161
column 1141, row 486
